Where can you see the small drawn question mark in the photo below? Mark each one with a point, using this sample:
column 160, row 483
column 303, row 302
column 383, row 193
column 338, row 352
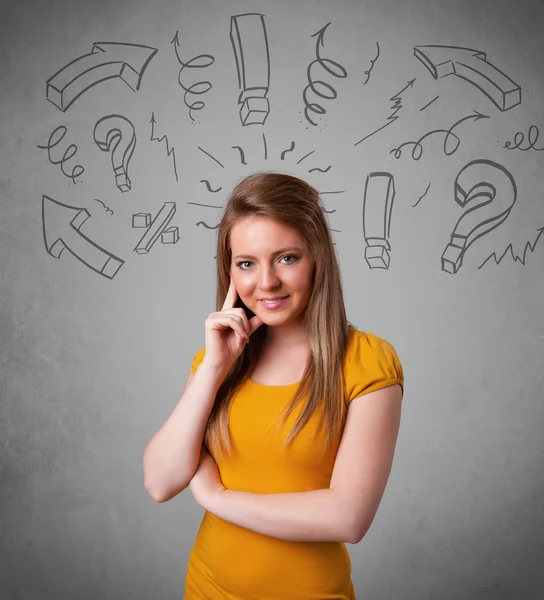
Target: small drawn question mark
column 490, row 191
column 115, row 134
column 377, row 207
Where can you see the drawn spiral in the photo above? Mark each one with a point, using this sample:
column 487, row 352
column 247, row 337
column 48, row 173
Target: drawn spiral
column 321, row 88
column 198, row 88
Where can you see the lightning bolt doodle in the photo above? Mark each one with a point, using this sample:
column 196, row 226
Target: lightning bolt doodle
column 397, row 105
column 169, row 151
column 528, row 247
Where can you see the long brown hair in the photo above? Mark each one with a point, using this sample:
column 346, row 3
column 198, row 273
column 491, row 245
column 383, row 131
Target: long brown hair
column 294, row 203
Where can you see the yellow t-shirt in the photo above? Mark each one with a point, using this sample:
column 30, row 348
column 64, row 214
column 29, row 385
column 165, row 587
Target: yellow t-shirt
column 229, row 562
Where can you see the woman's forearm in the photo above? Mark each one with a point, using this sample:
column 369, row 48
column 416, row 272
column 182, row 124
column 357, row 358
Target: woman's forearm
column 313, row 516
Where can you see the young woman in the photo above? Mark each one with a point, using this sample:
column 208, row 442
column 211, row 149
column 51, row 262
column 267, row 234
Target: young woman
column 287, row 426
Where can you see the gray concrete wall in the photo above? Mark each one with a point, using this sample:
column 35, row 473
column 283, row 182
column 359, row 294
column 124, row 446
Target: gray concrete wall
column 430, row 165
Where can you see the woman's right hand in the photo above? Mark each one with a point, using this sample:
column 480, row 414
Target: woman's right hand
column 227, row 332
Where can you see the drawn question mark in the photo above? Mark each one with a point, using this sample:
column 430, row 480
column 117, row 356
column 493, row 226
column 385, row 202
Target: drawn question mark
column 377, row 207
column 490, row 191
column 115, row 134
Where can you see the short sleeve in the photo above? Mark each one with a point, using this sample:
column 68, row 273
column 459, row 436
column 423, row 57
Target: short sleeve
column 371, row 364
column 197, row 359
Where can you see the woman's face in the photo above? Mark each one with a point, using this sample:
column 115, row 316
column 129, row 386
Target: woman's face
column 269, row 260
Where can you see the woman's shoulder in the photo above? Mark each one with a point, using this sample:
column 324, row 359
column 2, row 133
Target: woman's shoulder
column 371, row 362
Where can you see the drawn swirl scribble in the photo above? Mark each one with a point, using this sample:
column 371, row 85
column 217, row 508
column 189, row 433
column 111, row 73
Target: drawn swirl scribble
column 532, row 138
column 68, row 153
column 317, row 86
column 200, row 87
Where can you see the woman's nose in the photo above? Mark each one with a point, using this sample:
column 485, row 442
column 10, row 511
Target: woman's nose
column 268, row 278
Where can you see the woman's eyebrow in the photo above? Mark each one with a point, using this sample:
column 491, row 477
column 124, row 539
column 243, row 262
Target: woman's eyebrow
column 273, row 253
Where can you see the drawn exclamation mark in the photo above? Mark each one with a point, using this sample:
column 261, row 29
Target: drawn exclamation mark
column 377, row 206
column 250, row 44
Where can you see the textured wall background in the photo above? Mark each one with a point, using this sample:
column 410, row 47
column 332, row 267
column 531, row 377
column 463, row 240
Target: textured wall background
column 125, row 125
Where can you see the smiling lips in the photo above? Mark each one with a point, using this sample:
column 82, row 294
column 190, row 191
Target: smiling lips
column 273, row 299
column 273, row 303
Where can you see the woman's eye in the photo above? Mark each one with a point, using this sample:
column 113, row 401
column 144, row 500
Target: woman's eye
column 243, row 262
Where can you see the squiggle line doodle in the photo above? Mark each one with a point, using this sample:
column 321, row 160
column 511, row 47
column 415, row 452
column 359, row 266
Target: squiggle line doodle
column 335, row 192
column 242, row 155
column 320, row 170
column 290, row 149
column 206, row 225
column 313, row 84
column 528, row 247
column 169, row 151
column 200, row 87
column 429, row 103
column 372, row 61
column 397, row 100
column 265, row 147
column 108, row 209
column 423, row 196
column 208, row 185
column 419, row 148
column 78, row 169
column 212, row 157
column 519, row 138
column 305, row 156
column 204, row 205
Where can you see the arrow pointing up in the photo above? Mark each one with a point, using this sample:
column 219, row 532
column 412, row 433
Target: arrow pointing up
column 105, row 61
column 471, row 65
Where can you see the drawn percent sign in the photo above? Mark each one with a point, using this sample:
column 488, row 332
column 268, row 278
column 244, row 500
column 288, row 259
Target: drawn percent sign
column 155, row 228
column 490, row 192
column 115, row 134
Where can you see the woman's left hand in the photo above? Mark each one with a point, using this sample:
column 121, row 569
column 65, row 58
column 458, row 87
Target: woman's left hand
column 206, row 483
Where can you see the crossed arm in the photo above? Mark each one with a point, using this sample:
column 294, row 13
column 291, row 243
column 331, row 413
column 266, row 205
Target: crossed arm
column 344, row 511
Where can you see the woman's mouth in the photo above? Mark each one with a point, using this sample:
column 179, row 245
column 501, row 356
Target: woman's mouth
column 275, row 303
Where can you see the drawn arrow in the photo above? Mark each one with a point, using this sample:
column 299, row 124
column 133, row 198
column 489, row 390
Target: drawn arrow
column 471, row 65
column 105, row 61
column 61, row 229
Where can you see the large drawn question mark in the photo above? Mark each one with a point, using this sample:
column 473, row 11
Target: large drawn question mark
column 377, row 207
column 115, row 134
column 490, row 191
column 250, row 45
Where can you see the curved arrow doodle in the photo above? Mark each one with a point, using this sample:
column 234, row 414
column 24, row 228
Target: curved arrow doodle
column 106, row 60
column 61, row 224
column 115, row 134
column 417, row 150
column 490, row 191
column 472, row 66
